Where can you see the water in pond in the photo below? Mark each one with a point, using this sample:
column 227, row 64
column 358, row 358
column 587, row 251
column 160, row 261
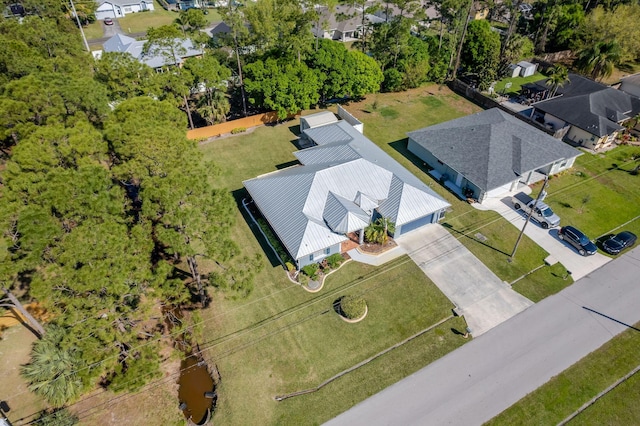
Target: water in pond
column 195, row 382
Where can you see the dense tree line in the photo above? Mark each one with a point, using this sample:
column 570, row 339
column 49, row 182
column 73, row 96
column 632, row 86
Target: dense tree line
column 105, row 206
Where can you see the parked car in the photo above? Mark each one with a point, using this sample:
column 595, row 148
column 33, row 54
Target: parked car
column 616, row 243
column 581, row 242
column 108, row 21
column 541, row 213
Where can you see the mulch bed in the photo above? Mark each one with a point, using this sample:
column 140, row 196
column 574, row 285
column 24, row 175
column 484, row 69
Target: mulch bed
column 378, row 248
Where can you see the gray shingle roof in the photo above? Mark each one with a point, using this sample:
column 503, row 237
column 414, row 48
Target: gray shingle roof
column 310, row 206
column 590, row 106
column 491, row 148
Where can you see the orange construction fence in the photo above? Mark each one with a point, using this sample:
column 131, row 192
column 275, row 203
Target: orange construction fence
column 228, row 126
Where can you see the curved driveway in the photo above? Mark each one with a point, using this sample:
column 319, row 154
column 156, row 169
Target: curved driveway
column 482, row 378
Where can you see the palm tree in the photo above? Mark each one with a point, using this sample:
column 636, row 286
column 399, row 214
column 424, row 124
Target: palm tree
column 51, row 373
column 377, row 231
column 214, row 107
column 599, row 59
column 559, row 76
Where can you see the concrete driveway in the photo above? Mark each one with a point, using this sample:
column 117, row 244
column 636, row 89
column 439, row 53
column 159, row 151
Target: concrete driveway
column 559, row 250
column 483, row 299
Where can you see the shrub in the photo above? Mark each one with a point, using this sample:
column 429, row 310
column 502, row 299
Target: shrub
column 353, row 307
column 238, row 130
column 290, row 266
column 334, row 260
column 311, row 270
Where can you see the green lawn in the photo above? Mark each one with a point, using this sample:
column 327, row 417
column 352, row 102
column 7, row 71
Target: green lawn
column 599, row 194
column 565, row 393
column 292, row 340
column 516, row 83
column 94, row 30
column 140, row 22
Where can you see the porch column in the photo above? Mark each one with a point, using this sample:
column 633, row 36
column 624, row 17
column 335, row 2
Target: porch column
column 361, row 236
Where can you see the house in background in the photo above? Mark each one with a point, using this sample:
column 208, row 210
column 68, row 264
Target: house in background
column 585, row 112
column 489, row 154
column 343, row 23
column 119, row 8
column 342, row 184
column 122, row 43
column 631, row 84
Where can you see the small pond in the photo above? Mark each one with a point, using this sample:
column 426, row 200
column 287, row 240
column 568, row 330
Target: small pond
column 196, row 391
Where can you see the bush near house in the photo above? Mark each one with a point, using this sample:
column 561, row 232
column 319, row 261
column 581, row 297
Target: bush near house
column 311, row 270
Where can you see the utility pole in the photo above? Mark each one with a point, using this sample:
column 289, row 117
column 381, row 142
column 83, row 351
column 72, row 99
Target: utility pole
column 86, row 45
column 544, row 185
column 15, row 304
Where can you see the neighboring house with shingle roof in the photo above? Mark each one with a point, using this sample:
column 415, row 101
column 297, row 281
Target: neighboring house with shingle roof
column 119, row 8
column 489, row 153
column 586, row 112
column 343, row 183
column 125, row 44
column 631, row 84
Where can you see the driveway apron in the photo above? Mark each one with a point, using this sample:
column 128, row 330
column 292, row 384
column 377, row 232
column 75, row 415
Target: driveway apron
column 479, row 295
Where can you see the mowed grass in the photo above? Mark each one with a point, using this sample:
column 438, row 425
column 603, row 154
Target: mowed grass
column 567, row 392
column 516, row 84
column 280, row 351
column 599, row 194
column 141, row 21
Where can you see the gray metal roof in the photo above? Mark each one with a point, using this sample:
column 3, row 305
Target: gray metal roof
column 344, row 216
column 491, row 148
column 305, row 204
column 122, row 43
column 590, row 106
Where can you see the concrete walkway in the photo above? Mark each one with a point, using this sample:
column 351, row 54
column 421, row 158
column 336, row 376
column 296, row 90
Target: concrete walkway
column 376, row 260
column 483, row 299
column 559, row 250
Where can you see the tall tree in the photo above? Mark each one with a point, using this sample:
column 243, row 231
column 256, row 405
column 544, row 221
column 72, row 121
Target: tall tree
column 481, row 53
column 210, row 76
column 168, row 42
column 235, row 18
column 282, row 86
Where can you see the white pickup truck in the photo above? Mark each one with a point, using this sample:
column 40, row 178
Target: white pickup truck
column 542, row 213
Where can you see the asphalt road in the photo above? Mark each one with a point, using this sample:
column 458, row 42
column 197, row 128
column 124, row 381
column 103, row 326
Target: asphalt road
column 478, row 381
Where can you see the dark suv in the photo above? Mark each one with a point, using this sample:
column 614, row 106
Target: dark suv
column 581, row 242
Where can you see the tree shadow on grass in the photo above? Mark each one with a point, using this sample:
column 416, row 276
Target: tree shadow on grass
column 337, row 307
column 239, row 195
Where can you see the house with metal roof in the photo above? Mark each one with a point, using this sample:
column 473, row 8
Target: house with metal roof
column 123, row 43
column 585, row 112
column 342, row 184
column 119, row 8
column 489, row 153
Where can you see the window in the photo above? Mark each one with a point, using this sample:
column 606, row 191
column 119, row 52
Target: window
column 327, row 250
column 311, row 257
column 127, row 9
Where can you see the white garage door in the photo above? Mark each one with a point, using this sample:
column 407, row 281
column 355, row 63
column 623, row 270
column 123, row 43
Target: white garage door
column 101, row 14
column 497, row 192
